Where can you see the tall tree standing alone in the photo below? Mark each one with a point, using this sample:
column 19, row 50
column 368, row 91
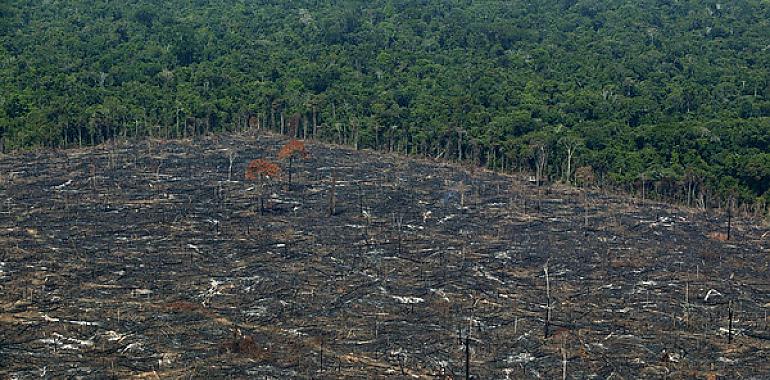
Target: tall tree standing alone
column 292, row 149
column 263, row 172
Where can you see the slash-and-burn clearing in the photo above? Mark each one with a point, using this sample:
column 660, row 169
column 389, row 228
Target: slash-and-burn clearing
column 159, row 260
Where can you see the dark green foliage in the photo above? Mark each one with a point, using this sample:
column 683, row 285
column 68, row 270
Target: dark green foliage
column 670, row 95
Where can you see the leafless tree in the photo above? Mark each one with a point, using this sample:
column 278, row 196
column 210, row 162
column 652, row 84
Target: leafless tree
column 333, row 195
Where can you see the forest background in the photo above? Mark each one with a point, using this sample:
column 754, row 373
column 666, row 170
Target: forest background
column 666, row 97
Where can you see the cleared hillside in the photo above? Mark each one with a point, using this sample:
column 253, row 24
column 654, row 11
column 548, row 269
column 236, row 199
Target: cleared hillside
column 144, row 260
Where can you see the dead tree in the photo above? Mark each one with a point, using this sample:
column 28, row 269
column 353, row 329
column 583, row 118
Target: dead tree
column 293, row 149
column 548, row 300
column 541, row 162
column 263, row 172
column 570, row 144
column 461, row 188
column 231, row 157
column 333, row 195
column 468, row 355
column 564, row 358
column 322, row 354
column 467, row 340
column 730, row 322
column 399, row 220
column 360, row 199
column 730, row 217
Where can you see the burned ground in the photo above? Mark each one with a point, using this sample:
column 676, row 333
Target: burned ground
column 154, row 260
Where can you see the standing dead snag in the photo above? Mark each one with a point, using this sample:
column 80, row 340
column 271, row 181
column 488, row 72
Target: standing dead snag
column 564, row 357
column 730, row 203
column 468, row 355
column 468, row 338
column 292, row 149
column 263, row 172
column 400, row 224
column 231, row 157
column 461, row 188
column 333, row 195
column 548, row 299
column 730, row 322
column 571, row 144
column 321, row 351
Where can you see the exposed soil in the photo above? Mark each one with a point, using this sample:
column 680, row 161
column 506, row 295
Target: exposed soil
column 145, row 261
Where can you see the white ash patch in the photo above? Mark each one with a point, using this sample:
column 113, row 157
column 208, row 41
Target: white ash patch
column 408, row 300
column 167, row 358
column 503, row 255
column 80, row 323
column 64, row 343
column 440, row 293
column 296, row 332
column 481, row 273
column 215, row 288
column 114, row 336
column 133, row 347
column 522, row 357
column 258, row 311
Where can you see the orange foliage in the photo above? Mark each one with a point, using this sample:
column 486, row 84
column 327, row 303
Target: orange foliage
column 718, row 236
column 293, row 148
column 262, row 168
column 246, row 345
column 561, row 331
column 243, row 345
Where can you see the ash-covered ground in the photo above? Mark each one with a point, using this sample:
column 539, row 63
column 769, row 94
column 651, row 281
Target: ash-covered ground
column 154, row 260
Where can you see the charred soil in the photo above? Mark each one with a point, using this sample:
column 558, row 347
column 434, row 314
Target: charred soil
column 159, row 260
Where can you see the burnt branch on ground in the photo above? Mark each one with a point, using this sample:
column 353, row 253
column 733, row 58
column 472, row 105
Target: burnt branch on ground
column 154, row 259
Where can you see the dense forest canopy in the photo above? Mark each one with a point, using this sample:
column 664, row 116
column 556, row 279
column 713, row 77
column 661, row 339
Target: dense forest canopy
column 669, row 95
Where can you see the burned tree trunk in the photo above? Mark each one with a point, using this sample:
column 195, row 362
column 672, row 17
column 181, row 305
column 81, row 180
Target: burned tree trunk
column 467, row 356
column 729, row 218
column 548, row 302
column 333, row 195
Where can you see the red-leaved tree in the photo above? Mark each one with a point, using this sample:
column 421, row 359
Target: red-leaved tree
column 264, row 173
column 293, row 149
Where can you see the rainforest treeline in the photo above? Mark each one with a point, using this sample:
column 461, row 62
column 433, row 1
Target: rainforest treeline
column 669, row 97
